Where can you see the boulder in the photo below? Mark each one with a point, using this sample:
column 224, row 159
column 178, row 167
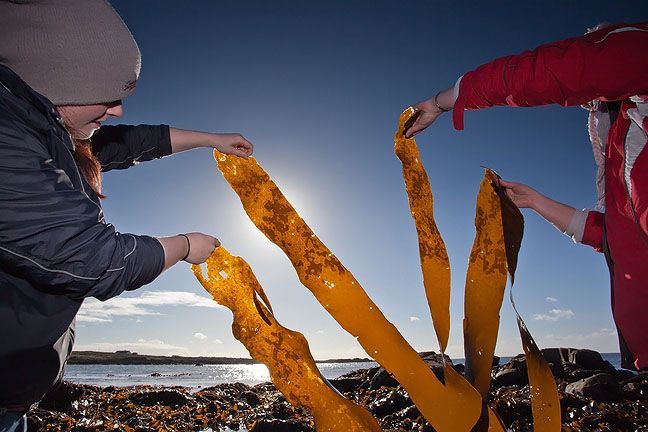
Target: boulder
column 275, row 425
column 601, row 387
column 346, row 384
column 382, row 378
column 251, row 398
column 589, row 359
column 390, row 403
column 167, row 397
column 510, row 377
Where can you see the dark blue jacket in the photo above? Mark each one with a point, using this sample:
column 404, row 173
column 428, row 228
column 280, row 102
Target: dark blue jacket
column 55, row 247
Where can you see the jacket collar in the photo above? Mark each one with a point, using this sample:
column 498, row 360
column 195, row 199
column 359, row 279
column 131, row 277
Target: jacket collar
column 35, row 108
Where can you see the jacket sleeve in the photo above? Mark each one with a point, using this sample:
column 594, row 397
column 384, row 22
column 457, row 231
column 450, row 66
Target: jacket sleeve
column 122, row 146
column 54, row 236
column 607, row 64
column 593, row 232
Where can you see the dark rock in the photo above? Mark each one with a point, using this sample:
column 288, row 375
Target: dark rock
column 275, row 425
column 167, row 397
column 61, row 397
column 624, row 374
column 251, row 398
column 601, row 387
column 391, row 402
column 156, row 374
column 459, row 367
column 382, row 378
column 435, row 362
column 510, row 377
column 573, row 372
column 346, row 384
column 496, row 360
column 588, row 359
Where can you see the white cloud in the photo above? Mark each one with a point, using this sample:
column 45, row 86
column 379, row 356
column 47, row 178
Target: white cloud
column 141, row 346
column 554, row 315
column 413, row 318
column 218, row 341
column 603, row 340
column 200, row 336
column 320, row 332
column 95, row 311
column 551, row 299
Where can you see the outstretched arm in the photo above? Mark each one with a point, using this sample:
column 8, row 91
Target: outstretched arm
column 228, row 143
column 607, row 64
column 581, row 225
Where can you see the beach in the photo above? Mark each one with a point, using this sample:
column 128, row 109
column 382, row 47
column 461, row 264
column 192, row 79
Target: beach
column 595, row 396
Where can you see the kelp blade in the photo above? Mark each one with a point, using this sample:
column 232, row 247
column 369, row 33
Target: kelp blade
column 232, row 283
column 545, row 400
column 485, row 285
column 432, row 251
column 453, row 407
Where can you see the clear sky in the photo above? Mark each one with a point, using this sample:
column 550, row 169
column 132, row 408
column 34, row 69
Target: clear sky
column 318, row 87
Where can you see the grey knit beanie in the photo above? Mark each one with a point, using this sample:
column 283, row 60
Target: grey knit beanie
column 74, row 52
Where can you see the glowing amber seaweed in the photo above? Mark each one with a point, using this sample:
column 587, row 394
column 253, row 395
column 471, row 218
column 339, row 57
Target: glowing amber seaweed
column 453, row 407
column 545, row 401
column 485, row 284
column 285, row 352
column 432, row 250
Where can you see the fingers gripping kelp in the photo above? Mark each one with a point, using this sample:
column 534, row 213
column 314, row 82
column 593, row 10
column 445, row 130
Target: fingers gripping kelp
column 455, row 406
column 434, row 257
column 500, row 227
column 285, row 352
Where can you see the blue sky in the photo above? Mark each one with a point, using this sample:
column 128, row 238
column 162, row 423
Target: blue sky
column 318, row 87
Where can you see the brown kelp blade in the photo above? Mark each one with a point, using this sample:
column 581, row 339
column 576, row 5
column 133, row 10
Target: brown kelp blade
column 432, row 251
column 485, row 285
column 453, row 407
column 285, row 352
column 513, row 225
column 545, row 400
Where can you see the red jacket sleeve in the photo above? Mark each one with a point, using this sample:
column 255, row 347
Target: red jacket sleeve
column 593, row 233
column 608, row 64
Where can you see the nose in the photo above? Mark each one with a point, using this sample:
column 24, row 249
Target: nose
column 115, row 109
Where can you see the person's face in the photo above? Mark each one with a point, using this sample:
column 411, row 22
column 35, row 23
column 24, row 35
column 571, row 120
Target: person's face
column 83, row 120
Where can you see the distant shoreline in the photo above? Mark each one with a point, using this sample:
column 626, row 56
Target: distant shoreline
column 133, row 358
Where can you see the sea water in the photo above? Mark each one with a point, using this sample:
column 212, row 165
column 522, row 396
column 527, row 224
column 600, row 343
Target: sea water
column 197, row 377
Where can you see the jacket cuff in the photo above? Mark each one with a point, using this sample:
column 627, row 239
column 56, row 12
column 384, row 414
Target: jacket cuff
column 460, row 101
column 164, row 143
column 150, row 263
column 593, row 231
column 576, row 226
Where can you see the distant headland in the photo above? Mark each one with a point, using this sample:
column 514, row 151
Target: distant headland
column 133, row 358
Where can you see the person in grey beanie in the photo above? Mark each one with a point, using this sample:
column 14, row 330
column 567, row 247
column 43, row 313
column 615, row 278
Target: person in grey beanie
column 65, row 67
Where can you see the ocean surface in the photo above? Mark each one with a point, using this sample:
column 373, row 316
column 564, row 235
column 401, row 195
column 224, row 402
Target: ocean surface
column 197, row 377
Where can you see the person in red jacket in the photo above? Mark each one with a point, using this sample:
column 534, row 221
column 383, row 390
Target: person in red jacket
column 605, row 70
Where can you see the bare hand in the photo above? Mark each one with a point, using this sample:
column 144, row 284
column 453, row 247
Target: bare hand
column 429, row 113
column 522, row 195
column 232, row 143
column 201, row 247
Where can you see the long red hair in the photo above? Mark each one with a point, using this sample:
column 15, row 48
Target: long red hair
column 88, row 164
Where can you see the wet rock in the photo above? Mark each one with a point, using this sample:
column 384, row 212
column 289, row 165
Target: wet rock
column 61, row 397
column 588, row 359
column 167, row 397
column 382, row 378
column 435, row 362
column 346, row 384
column 279, row 426
column 459, row 367
column 510, row 377
column 389, row 402
column 251, row 398
column 601, row 387
column 624, row 374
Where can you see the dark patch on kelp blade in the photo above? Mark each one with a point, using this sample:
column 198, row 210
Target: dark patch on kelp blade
column 512, row 223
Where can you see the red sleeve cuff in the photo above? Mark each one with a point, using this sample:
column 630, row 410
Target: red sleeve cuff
column 593, row 233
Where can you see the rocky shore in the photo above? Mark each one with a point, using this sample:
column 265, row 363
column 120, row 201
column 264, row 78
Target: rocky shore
column 594, row 397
